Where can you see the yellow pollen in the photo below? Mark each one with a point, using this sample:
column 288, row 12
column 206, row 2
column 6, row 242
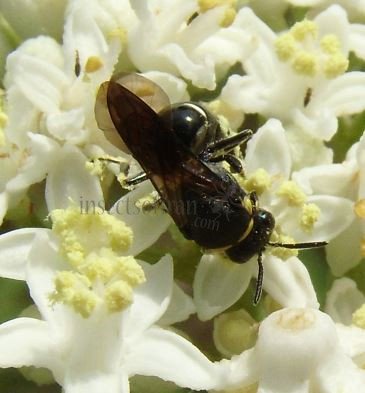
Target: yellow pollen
column 359, row 208
column 234, row 332
column 358, row 317
column 206, row 5
column 285, row 47
column 95, row 167
column 305, row 63
column 228, row 17
column 330, row 44
column 73, row 289
column 259, row 181
column 118, row 296
column 93, row 63
column 91, row 243
column 302, row 30
column 282, row 252
column 310, row 215
column 335, row 65
column 307, row 54
column 292, row 192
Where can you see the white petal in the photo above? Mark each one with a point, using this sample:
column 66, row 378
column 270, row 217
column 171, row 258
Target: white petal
column 357, row 37
column 97, row 381
column 43, row 263
column 344, row 252
column 70, row 182
column 68, row 126
column 169, row 356
column 341, row 374
column 327, row 227
column 174, row 87
column 15, row 247
column 147, row 226
column 39, row 78
column 43, row 153
column 346, row 94
column 288, row 282
column 180, row 308
column 333, row 179
column 26, row 342
column 292, row 344
column 241, row 370
column 219, row 283
column 201, row 75
column 150, row 299
column 343, row 299
column 269, row 149
column 352, row 340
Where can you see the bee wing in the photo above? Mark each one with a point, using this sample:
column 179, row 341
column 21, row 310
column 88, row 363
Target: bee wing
column 148, row 91
column 170, row 166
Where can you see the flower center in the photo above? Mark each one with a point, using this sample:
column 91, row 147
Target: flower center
column 91, row 244
column 310, row 55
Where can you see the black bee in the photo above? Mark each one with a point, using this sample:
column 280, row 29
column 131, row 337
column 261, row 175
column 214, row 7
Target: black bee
column 180, row 149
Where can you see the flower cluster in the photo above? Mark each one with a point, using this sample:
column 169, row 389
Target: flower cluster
column 118, row 296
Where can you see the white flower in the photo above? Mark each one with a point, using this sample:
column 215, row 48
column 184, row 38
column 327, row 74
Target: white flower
column 297, row 350
column 343, row 299
column 299, row 76
column 88, row 336
column 346, row 179
column 305, row 218
column 165, row 39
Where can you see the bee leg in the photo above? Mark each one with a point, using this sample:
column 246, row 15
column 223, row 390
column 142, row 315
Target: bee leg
column 150, row 206
column 259, row 281
column 233, row 161
column 134, row 180
column 224, row 146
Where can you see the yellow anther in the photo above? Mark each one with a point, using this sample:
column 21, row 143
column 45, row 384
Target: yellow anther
column 359, row 208
column 93, row 63
column 304, row 29
column 358, row 317
column 310, row 215
column 118, row 296
column 292, row 192
column 285, row 46
column 282, row 252
column 259, row 181
column 84, row 302
column 206, row 5
column 234, row 332
column 305, row 63
column 90, row 243
column 330, row 44
column 72, row 289
column 228, row 17
column 129, row 270
column 335, row 65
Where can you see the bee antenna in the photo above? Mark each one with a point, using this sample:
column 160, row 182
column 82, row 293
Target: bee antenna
column 298, row 246
column 259, row 281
